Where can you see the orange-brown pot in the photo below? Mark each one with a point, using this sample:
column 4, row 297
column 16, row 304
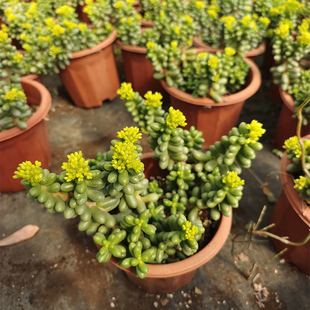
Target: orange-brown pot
column 139, row 70
column 286, row 125
column 291, row 217
column 214, row 119
column 92, row 77
column 17, row 145
column 167, row 278
column 250, row 54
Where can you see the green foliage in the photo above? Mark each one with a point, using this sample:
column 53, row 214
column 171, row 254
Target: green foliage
column 201, row 74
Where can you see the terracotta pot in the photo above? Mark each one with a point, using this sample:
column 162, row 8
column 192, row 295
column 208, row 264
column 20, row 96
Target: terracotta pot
column 31, row 144
column 34, row 77
column 82, row 15
column 92, row 77
column 250, row 54
column 139, row 70
column 167, row 278
column 286, row 125
column 291, row 217
column 214, row 119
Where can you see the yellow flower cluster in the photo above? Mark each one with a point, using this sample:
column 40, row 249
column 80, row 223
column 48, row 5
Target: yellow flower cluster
column 176, row 30
column 200, row 5
column 229, row 51
column 153, row 100
column 69, row 24
column 232, row 180
column 33, row 9
column 45, row 39
column 302, row 183
column 118, row 4
column 229, row 21
column 284, row 28
column 18, row 57
column 293, row 145
column 175, row 118
column 54, row 51
column 130, row 134
column 212, row 62
column 26, row 47
column 65, row 10
column 15, row 94
column 57, row 31
column 190, row 231
column 174, row 44
column 126, row 92
column 9, row 14
column 49, row 22
column 76, row 167
column 189, row 20
column 213, row 11
column 82, row 27
column 265, row 21
column 255, row 131
column 3, row 36
column 125, row 157
column 304, row 37
column 26, row 25
column 32, row 173
column 245, row 20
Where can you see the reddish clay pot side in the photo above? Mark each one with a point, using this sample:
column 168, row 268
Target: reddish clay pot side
column 286, row 125
column 139, row 70
column 291, row 217
column 92, row 77
column 167, row 278
column 34, row 77
column 82, row 15
column 214, row 119
column 250, row 54
column 31, row 144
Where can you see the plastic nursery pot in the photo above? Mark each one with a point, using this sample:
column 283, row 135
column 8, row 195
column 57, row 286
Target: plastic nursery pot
column 139, row 70
column 92, row 77
column 291, row 217
column 167, row 278
column 214, row 119
column 31, row 144
column 286, row 125
column 250, row 54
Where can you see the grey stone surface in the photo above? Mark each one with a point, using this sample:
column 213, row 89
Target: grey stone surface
column 57, row 268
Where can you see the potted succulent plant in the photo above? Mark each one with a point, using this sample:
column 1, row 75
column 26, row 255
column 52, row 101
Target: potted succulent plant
column 133, row 37
column 290, row 45
column 292, row 212
column 210, row 89
column 236, row 25
column 173, row 207
column 23, row 106
column 59, row 42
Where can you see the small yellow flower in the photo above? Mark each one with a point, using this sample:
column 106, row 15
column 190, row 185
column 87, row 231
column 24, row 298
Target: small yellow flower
column 293, row 144
column 212, row 62
column 189, row 20
column 130, row 134
column 174, row 44
column 26, row 25
column 301, row 183
column 265, row 21
column 153, row 100
column 32, row 173
column 4, row 28
column 216, row 78
column 57, row 31
column 49, row 22
column 26, row 47
column 54, row 51
column 65, row 10
column 3, row 36
column 118, row 4
column 18, row 57
column 228, row 21
column 213, row 11
column 190, row 231
column 255, row 131
column 76, row 167
column 230, row 51
column 150, row 45
column 177, row 30
column 202, row 55
column 304, row 38
column 175, row 118
column 246, row 20
column 69, row 24
column 126, row 92
column 82, row 26
column 200, row 5
column 232, row 180
column 284, row 28
column 15, row 94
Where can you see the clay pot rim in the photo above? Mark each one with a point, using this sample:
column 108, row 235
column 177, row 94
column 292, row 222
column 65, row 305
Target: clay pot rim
column 255, row 81
column 299, row 205
column 97, row 48
column 131, row 48
column 191, row 263
column 260, row 49
column 287, row 99
column 36, row 117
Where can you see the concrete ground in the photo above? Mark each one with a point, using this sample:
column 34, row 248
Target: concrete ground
column 57, row 268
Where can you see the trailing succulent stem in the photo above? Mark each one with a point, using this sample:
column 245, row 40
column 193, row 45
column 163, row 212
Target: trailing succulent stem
column 142, row 221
